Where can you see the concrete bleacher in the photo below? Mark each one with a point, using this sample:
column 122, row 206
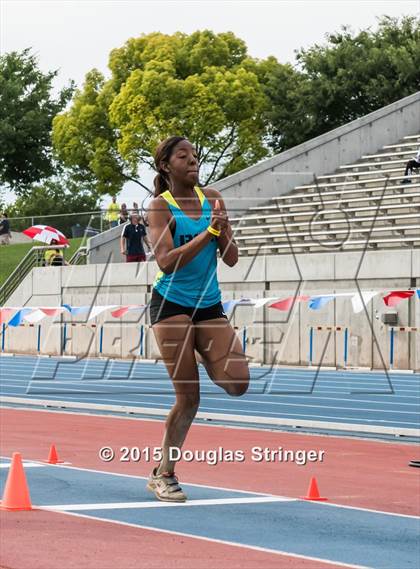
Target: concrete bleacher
column 367, row 205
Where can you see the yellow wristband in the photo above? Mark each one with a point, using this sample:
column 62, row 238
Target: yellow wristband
column 213, row 231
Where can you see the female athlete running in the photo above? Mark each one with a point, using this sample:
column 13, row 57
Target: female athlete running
column 187, row 224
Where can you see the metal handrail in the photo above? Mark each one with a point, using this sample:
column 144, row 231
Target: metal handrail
column 78, row 214
column 33, row 258
column 78, row 256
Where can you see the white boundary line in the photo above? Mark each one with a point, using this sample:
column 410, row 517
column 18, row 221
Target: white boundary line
column 25, row 464
column 411, row 516
column 151, row 392
column 223, row 488
column 145, row 478
column 207, row 424
column 360, row 428
column 221, row 541
column 139, row 361
column 131, row 505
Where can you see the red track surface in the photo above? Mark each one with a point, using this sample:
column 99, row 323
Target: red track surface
column 45, row 540
column 359, row 473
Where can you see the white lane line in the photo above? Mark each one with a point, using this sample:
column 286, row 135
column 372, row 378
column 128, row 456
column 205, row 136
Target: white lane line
column 346, row 387
column 292, row 391
column 145, row 478
column 157, row 408
column 279, row 390
column 369, row 426
column 264, row 497
column 205, row 424
column 162, row 374
column 283, row 376
column 221, row 541
column 131, row 505
column 139, row 389
column 268, row 377
column 161, row 406
column 304, row 375
column 93, row 392
column 372, row 511
column 25, row 464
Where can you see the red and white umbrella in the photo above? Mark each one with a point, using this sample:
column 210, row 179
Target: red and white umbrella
column 46, row 234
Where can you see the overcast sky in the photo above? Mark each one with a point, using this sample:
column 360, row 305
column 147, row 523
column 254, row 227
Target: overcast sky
column 76, row 36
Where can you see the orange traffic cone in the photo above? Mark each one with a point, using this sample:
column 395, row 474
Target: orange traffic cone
column 313, row 492
column 53, row 456
column 16, row 492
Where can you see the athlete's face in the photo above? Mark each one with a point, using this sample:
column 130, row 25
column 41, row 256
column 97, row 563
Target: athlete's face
column 183, row 164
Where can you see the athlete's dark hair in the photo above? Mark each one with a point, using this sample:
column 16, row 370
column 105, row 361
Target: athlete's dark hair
column 163, row 153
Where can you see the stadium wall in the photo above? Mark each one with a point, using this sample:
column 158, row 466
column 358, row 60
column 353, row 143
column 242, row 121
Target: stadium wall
column 299, row 165
column 273, row 337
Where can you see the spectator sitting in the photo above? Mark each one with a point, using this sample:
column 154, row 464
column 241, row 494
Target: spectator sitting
column 58, row 258
column 5, row 234
column 54, row 257
column 132, row 238
column 123, row 214
column 113, row 213
column 412, row 163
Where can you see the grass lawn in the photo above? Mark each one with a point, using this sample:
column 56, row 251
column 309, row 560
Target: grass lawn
column 10, row 255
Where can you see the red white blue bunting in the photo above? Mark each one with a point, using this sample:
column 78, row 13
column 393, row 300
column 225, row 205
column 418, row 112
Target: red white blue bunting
column 15, row 316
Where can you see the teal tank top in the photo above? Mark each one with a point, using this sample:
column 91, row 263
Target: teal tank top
column 195, row 284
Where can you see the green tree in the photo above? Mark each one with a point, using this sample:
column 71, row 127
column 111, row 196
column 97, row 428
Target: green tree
column 55, row 196
column 200, row 86
column 348, row 77
column 286, row 119
column 26, row 113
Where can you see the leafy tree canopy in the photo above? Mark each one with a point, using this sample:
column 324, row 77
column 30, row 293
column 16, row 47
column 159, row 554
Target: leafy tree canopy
column 56, row 196
column 200, row 85
column 348, row 77
column 234, row 108
column 26, row 113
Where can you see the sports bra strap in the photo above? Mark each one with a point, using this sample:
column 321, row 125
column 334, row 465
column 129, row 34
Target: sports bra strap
column 170, row 198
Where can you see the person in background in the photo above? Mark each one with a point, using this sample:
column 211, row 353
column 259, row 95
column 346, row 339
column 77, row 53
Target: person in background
column 113, row 213
column 54, row 257
column 412, row 163
column 5, row 234
column 123, row 214
column 132, row 237
column 135, row 208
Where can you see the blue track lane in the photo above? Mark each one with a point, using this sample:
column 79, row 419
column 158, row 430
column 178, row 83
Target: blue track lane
column 339, row 534
column 329, row 396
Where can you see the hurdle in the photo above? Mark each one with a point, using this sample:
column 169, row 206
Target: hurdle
column 141, row 343
column 393, row 330
column 3, row 336
column 38, row 339
column 328, row 328
column 65, row 337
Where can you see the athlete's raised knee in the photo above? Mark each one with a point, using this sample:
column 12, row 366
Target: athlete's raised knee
column 237, row 389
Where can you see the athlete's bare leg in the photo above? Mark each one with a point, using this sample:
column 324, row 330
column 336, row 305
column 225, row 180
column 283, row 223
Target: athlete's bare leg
column 175, row 338
column 222, row 355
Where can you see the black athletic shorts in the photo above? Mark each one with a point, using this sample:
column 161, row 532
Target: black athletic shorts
column 161, row 308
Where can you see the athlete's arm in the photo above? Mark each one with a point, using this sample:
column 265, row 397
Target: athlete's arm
column 168, row 257
column 226, row 242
